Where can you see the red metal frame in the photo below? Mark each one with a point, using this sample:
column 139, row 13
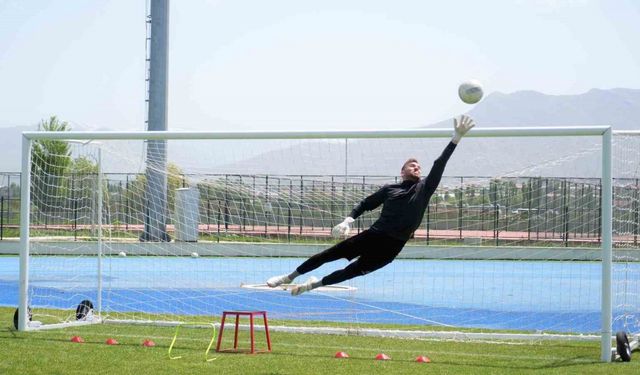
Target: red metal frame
column 251, row 315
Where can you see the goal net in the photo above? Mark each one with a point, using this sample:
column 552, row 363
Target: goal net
column 511, row 244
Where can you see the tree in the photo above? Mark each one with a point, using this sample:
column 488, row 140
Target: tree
column 83, row 165
column 50, row 159
column 136, row 189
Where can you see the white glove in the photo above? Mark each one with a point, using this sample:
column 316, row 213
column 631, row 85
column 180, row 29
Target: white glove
column 460, row 128
column 342, row 229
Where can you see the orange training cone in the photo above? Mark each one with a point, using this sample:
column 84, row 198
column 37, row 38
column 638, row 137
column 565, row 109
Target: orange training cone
column 341, row 355
column 148, row 343
column 423, row 359
column 382, row 357
column 111, row 342
column 77, row 339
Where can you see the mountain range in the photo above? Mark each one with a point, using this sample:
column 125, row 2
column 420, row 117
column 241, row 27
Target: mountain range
column 494, row 157
column 541, row 156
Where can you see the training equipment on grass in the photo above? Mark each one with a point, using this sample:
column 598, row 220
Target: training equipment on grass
column 517, row 238
column 77, row 339
column 470, row 91
column 341, row 355
column 423, row 359
column 111, row 341
column 252, row 348
column 84, row 310
column 16, row 314
column 148, row 343
column 382, row 357
column 624, row 348
column 194, row 325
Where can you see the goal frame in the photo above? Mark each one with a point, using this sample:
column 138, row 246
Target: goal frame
column 605, row 132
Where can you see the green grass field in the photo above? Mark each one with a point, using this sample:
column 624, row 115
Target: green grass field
column 52, row 352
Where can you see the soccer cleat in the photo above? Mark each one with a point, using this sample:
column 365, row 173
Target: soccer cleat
column 307, row 286
column 278, row 280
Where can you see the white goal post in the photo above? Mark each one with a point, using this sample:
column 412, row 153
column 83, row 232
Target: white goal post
column 604, row 132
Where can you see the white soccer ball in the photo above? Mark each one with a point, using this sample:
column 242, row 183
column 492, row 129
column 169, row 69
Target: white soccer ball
column 122, row 254
column 470, row 91
column 194, row 255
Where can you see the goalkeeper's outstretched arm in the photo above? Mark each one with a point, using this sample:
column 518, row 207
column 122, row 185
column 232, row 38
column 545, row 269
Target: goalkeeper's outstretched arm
column 460, row 128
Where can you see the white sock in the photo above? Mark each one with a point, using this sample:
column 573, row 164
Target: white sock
column 316, row 284
column 292, row 276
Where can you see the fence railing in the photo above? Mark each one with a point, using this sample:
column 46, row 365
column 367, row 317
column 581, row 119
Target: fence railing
column 564, row 210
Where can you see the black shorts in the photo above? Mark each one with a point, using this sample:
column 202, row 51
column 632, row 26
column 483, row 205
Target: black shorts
column 374, row 250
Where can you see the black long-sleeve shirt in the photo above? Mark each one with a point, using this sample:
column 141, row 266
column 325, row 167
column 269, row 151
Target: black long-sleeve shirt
column 404, row 203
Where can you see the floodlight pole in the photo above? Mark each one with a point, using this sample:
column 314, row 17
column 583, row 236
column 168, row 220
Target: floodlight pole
column 156, row 185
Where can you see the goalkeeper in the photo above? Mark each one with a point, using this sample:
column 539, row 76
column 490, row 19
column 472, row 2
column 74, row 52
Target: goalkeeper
column 403, row 207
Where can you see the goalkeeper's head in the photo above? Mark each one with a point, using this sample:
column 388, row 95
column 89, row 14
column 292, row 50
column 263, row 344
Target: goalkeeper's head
column 410, row 170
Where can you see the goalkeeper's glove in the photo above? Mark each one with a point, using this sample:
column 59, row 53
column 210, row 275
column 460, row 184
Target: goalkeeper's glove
column 460, row 128
column 342, row 229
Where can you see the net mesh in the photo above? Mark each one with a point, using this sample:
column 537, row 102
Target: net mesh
column 510, row 239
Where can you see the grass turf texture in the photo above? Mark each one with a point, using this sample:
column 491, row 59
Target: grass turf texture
column 52, row 352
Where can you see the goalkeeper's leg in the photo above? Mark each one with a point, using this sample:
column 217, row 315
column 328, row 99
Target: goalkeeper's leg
column 348, row 249
column 352, row 270
column 376, row 257
column 358, row 268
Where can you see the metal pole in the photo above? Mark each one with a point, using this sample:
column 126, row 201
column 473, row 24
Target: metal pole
column 313, row 204
column 9, row 213
column 332, row 210
column 555, row 209
column 226, row 205
column 637, row 215
column 482, row 210
column 100, row 197
column 156, row 189
column 363, row 195
column 346, row 174
column 126, row 207
column 25, row 202
column 565, row 212
column 460, row 208
column 507, row 203
column 607, row 191
column 267, row 203
column 219, row 220
column 75, row 207
column 278, row 215
column 320, row 134
column 1, row 218
column 242, row 208
column 289, row 218
column 529, row 198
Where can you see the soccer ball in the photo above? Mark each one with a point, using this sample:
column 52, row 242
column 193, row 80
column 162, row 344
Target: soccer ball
column 470, row 91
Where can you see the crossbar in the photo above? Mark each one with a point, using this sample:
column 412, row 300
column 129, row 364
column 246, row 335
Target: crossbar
column 320, row 134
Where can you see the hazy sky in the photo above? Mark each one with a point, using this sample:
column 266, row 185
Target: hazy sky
column 270, row 64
